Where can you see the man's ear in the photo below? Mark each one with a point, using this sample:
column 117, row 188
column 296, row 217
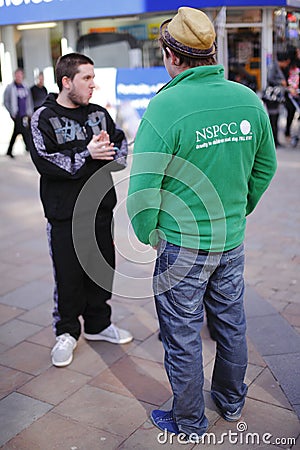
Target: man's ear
column 65, row 82
column 168, row 51
column 174, row 59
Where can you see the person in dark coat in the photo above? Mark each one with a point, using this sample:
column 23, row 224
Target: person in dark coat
column 39, row 91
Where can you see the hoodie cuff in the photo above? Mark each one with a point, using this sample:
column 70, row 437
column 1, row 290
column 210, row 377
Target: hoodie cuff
column 85, row 153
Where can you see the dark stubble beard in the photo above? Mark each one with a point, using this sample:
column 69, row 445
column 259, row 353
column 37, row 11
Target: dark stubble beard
column 76, row 99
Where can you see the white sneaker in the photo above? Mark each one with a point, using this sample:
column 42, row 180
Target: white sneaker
column 62, row 352
column 111, row 334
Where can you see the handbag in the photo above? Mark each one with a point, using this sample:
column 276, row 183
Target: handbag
column 273, row 94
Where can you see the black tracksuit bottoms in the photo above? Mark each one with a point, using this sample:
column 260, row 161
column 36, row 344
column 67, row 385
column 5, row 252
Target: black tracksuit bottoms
column 76, row 293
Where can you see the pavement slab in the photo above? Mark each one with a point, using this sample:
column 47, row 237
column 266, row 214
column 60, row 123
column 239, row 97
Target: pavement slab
column 11, row 380
column 104, row 410
column 139, row 378
column 17, row 412
column 53, row 386
column 54, row 432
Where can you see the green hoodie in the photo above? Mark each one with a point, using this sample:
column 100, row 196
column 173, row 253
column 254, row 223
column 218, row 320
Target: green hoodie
column 203, row 156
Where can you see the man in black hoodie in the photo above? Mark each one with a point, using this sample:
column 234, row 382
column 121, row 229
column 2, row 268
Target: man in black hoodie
column 76, row 146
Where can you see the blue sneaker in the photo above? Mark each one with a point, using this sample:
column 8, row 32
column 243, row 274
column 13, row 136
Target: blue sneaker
column 164, row 421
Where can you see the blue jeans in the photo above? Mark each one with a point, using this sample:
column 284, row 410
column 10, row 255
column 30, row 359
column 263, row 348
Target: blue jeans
column 184, row 281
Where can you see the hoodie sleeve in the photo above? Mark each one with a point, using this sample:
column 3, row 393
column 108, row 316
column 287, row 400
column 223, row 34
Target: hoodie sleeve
column 263, row 169
column 52, row 160
column 117, row 136
column 150, row 160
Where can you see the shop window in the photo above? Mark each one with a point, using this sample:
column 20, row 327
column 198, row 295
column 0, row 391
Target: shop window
column 111, row 49
column 142, row 38
column 244, row 56
column 56, row 35
column 293, row 27
column 286, row 33
column 243, row 15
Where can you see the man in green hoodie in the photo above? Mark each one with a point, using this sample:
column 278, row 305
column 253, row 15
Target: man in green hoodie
column 204, row 154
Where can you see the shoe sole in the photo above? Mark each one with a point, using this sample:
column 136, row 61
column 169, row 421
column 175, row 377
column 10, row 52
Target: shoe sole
column 227, row 418
column 64, row 363
column 90, row 337
column 231, row 419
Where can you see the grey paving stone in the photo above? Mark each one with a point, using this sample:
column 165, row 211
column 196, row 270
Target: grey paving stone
column 273, row 335
column 255, row 305
column 41, row 315
column 267, row 389
column 297, row 411
column 16, row 331
column 287, row 369
column 17, row 412
column 29, row 295
column 278, row 343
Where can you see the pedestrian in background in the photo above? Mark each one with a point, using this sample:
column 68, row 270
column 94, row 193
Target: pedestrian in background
column 203, row 156
column 292, row 74
column 276, row 78
column 19, row 104
column 38, row 91
column 73, row 139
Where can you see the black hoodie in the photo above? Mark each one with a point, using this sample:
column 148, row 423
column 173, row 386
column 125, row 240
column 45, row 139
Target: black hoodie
column 60, row 154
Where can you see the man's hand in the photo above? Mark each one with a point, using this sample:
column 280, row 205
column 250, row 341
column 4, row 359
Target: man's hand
column 100, row 147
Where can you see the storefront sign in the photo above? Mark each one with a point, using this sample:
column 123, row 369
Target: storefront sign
column 169, row 5
column 153, row 30
column 26, row 11
column 295, row 3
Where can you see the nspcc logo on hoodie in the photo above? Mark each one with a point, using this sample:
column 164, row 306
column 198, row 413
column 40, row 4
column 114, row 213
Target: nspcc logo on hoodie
column 223, row 133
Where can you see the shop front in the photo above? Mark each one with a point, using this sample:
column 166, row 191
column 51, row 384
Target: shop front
column 123, row 34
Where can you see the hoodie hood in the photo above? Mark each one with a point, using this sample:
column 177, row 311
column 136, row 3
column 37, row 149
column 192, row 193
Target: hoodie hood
column 75, row 113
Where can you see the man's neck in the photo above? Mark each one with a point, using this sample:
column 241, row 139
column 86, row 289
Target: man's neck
column 64, row 101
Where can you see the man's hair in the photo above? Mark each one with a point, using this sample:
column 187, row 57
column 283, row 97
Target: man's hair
column 282, row 56
column 187, row 60
column 67, row 66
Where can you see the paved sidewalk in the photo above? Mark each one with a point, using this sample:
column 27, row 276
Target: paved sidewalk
column 103, row 399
